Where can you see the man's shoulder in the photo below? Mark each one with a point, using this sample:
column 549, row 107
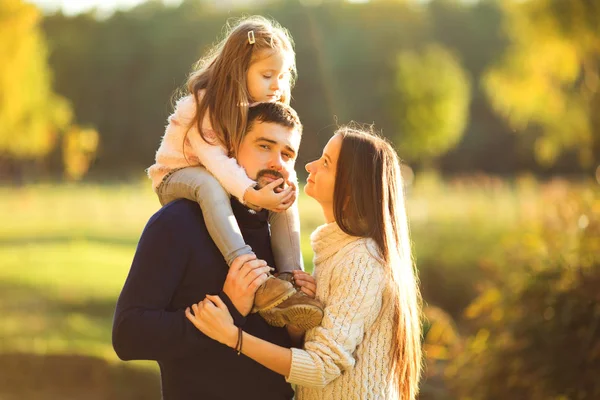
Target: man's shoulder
column 180, row 213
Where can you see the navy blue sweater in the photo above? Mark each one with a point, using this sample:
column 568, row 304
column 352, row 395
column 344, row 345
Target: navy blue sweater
column 176, row 264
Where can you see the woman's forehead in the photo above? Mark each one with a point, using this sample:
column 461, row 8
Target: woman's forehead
column 332, row 148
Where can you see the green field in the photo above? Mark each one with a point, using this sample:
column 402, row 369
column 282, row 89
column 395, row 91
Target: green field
column 65, row 252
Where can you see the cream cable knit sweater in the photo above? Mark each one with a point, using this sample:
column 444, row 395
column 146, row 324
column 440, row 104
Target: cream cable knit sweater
column 348, row 356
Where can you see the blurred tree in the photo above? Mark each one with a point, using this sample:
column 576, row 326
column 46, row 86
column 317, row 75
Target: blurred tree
column 78, row 149
column 547, row 85
column 120, row 73
column 32, row 116
column 535, row 326
column 432, row 102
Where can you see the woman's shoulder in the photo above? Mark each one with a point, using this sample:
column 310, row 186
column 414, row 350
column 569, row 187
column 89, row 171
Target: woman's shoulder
column 360, row 253
column 362, row 246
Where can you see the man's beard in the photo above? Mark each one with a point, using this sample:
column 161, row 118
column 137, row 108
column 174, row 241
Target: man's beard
column 262, row 181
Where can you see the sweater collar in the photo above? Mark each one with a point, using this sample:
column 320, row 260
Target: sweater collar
column 327, row 240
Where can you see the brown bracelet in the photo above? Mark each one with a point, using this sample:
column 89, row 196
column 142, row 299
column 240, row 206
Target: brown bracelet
column 238, row 346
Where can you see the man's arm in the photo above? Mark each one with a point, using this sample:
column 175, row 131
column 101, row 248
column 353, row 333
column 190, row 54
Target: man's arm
column 143, row 329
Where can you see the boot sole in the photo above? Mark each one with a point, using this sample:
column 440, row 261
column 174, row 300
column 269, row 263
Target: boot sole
column 303, row 316
column 275, row 302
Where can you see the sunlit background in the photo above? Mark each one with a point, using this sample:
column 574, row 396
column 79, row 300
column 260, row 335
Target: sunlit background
column 493, row 105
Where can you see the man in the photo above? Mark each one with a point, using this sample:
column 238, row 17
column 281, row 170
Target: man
column 177, row 264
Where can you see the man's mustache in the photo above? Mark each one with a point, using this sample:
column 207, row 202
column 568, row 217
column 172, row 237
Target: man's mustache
column 269, row 172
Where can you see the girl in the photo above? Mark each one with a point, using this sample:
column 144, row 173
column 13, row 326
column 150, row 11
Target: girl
column 254, row 63
column 368, row 344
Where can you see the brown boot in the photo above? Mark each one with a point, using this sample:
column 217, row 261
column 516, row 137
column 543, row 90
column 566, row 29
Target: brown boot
column 299, row 310
column 271, row 293
column 289, row 277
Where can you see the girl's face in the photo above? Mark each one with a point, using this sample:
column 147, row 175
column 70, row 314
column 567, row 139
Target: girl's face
column 269, row 76
column 321, row 176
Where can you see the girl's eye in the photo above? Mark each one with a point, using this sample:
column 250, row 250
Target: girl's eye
column 267, row 76
column 264, row 146
column 325, row 163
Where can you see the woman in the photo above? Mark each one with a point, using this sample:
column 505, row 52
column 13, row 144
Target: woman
column 368, row 344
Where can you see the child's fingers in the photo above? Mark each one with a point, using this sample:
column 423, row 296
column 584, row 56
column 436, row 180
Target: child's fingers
column 284, row 193
column 287, row 202
column 289, row 198
column 284, row 206
column 292, row 185
column 271, row 186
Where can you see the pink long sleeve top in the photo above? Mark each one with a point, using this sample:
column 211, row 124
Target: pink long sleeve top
column 178, row 151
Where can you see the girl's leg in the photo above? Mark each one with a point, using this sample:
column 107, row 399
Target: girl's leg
column 199, row 185
column 285, row 239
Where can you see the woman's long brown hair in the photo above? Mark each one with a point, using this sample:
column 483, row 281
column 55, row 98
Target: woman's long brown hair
column 369, row 202
column 221, row 74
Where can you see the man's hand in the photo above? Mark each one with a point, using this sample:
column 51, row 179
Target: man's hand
column 245, row 276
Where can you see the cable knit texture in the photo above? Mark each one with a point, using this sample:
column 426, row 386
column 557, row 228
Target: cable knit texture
column 178, row 151
column 348, row 356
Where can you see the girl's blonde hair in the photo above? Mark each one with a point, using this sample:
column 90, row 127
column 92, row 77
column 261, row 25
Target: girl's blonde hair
column 369, row 202
column 221, row 74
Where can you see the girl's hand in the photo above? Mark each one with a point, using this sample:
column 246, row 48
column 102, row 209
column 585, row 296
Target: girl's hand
column 307, row 283
column 212, row 318
column 271, row 197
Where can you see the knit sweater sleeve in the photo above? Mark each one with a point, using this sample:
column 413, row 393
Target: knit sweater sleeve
column 213, row 157
column 355, row 301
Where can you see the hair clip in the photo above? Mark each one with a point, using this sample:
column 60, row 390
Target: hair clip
column 251, row 39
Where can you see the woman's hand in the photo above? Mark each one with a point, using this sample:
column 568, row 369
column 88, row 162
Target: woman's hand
column 212, row 318
column 306, row 282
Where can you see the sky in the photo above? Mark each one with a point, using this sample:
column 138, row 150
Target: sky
column 71, row 7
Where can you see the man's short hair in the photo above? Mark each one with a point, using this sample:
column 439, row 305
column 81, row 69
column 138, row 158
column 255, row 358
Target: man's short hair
column 274, row 112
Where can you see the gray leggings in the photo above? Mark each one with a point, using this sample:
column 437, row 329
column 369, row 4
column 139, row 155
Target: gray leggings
column 199, row 185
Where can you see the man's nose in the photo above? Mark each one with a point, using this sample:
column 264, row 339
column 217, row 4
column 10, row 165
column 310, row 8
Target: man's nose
column 276, row 162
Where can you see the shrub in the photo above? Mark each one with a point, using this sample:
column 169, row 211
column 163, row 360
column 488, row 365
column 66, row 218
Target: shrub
column 536, row 326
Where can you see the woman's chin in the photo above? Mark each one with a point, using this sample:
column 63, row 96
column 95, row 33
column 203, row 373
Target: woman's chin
column 308, row 189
